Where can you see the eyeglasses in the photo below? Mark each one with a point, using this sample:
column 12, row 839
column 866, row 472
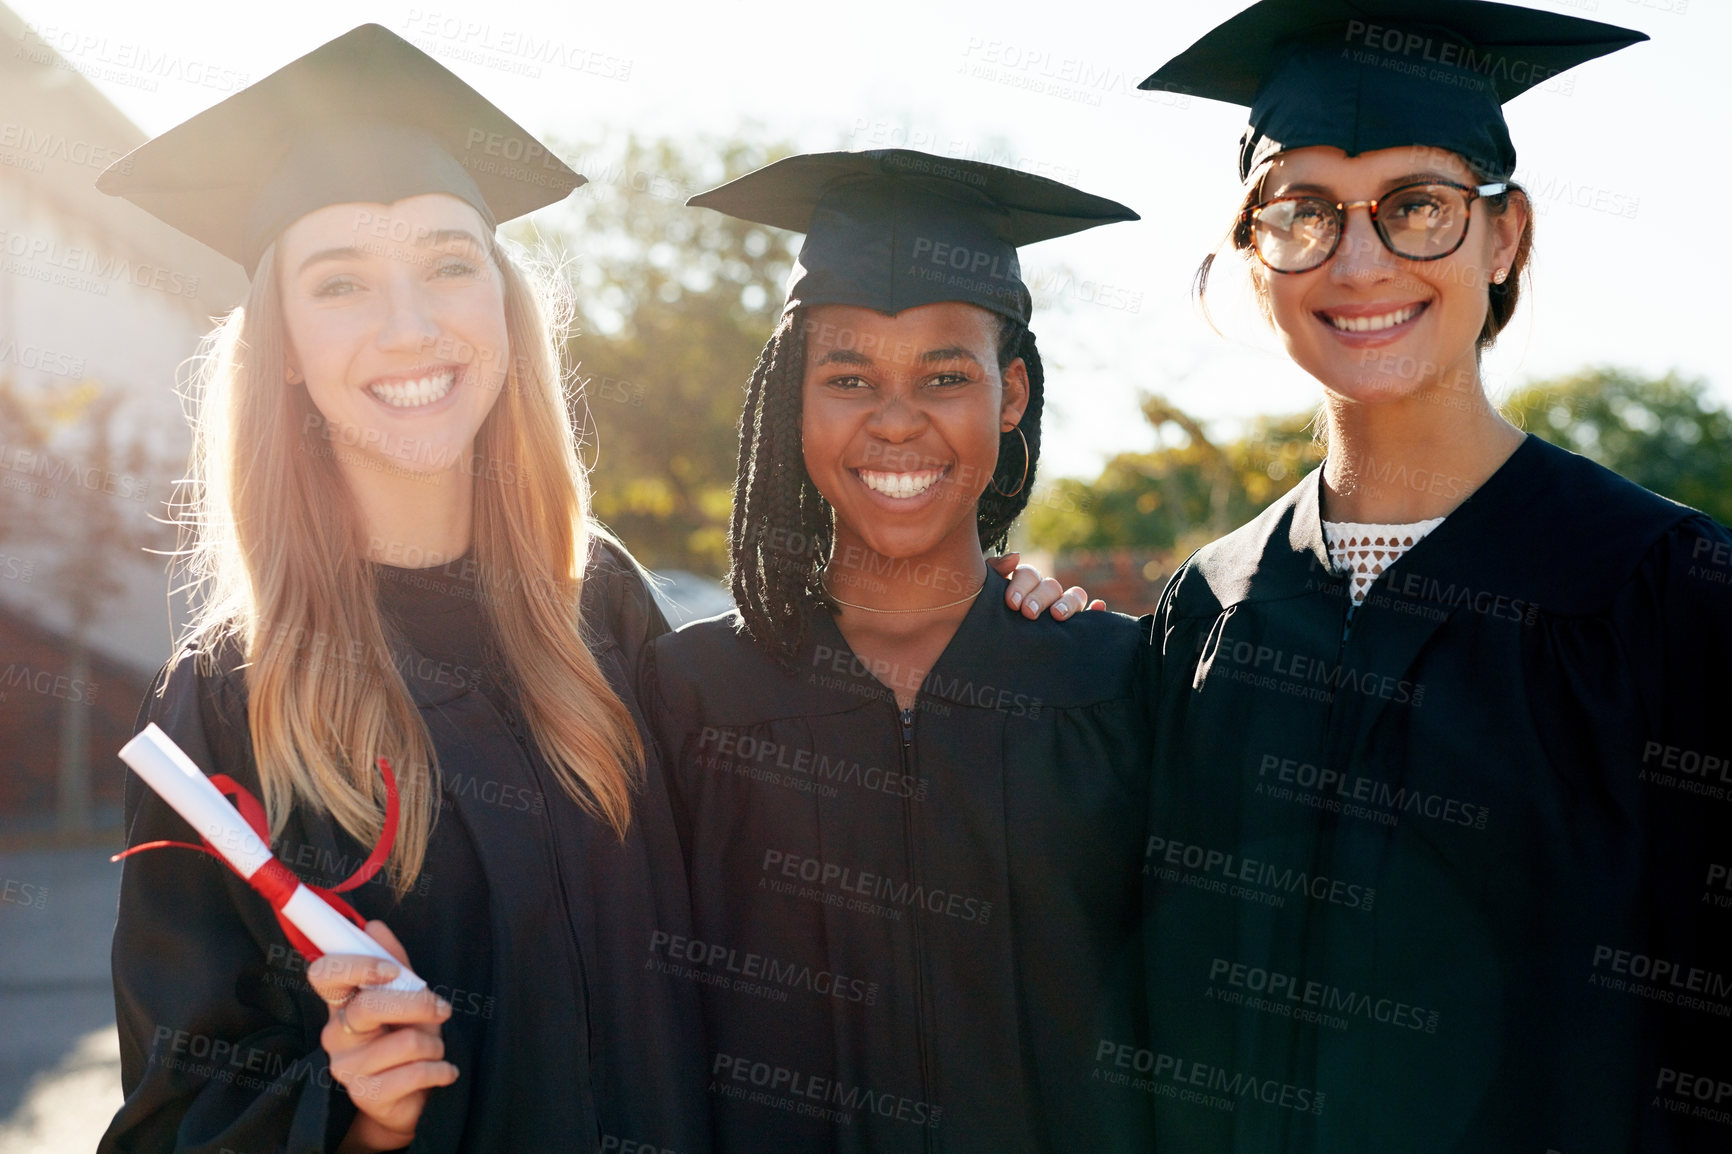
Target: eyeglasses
column 1415, row 222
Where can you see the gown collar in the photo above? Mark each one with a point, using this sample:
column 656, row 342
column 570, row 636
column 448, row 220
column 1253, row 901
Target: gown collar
column 849, row 680
column 997, row 660
column 1547, row 528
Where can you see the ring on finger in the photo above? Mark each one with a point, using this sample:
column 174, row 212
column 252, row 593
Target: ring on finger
column 343, row 1019
column 354, row 991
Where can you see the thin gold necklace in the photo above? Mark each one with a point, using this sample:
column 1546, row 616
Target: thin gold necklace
column 921, row 609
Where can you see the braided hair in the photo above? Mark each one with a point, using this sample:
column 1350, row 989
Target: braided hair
column 783, row 530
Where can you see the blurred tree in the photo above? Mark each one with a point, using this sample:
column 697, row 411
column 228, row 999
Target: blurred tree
column 1665, row 433
column 1187, row 491
column 674, row 304
column 18, row 514
column 86, row 476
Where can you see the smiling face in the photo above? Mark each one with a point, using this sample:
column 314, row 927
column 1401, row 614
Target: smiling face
column 900, row 422
column 395, row 321
column 1371, row 326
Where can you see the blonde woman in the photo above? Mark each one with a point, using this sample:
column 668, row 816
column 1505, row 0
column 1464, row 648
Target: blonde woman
column 393, row 546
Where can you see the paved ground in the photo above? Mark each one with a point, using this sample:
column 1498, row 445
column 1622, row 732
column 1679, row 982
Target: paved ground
column 59, row 1062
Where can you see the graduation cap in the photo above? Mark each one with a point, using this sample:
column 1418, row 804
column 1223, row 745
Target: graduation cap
column 1368, row 74
column 367, row 118
column 892, row 228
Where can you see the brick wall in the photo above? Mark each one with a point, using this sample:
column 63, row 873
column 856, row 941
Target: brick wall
column 36, row 686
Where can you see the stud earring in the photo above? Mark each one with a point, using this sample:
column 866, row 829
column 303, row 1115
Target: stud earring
column 1500, row 276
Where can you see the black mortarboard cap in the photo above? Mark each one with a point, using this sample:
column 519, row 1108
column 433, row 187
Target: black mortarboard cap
column 891, row 229
column 1368, row 74
column 366, row 118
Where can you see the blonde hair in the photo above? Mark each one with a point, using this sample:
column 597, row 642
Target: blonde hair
column 276, row 560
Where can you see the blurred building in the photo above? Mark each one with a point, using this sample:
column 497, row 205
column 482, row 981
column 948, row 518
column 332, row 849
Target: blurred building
column 100, row 305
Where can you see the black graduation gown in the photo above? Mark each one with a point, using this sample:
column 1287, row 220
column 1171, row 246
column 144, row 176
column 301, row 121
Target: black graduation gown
column 912, row 941
column 1408, row 875
column 529, row 916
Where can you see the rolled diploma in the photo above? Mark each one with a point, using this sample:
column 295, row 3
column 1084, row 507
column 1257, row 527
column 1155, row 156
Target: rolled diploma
column 167, row 769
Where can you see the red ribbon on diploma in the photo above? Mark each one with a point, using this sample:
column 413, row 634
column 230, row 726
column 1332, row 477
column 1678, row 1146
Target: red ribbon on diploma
column 274, row 880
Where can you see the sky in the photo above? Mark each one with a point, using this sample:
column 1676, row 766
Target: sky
column 1623, row 156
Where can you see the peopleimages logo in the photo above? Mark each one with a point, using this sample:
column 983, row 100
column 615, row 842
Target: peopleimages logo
column 74, row 689
column 1313, row 677
column 1449, row 56
column 213, row 1059
column 722, row 960
column 41, row 145
column 100, row 56
column 103, row 270
column 975, row 262
column 879, row 672
column 1218, row 870
column 861, row 884
column 1662, row 980
column 814, row 1094
column 20, row 463
column 1695, row 1095
column 1199, row 1083
column 51, row 361
column 24, row 894
column 526, row 46
column 1290, row 996
column 725, row 750
column 1279, row 777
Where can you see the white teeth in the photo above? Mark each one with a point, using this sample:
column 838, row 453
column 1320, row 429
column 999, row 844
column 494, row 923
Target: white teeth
column 1374, row 324
column 901, row 485
column 413, row 394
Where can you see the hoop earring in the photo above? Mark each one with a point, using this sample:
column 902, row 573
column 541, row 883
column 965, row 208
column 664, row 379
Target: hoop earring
column 992, row 481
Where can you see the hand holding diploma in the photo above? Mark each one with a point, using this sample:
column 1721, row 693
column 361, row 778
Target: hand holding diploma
column 384, row 1044
column 164, row 767
column 383, row 1035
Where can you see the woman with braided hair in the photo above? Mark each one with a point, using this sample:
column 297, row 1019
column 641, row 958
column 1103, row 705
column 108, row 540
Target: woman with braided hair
column 769, row 584
column 912, row 821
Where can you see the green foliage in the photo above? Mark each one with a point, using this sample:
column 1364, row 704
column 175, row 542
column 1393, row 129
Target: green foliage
column 1664, row 434
column 1186, row 491
column 674, row 305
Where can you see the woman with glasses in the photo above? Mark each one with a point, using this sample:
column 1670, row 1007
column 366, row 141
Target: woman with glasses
column 1435, row 798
